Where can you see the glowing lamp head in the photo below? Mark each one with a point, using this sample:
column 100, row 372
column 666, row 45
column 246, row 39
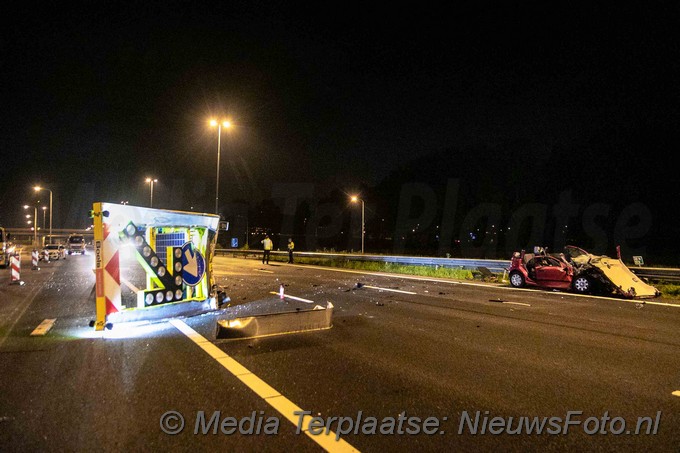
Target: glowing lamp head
column 354, row 199
column 37, row 188
column 224, row 123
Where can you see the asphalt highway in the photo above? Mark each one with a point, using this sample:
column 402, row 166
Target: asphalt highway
column 400, row 348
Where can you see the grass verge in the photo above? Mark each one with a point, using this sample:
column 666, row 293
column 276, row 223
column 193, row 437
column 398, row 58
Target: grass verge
column 669, row 290
column 376, row 266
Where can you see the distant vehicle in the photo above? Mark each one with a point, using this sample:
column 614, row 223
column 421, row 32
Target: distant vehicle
column 579, row 271
column 6, row 248
column 54, row 251
column 76, row 244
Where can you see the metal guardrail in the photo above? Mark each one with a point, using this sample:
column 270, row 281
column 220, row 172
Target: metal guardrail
column 495, row 266
column 657, row 273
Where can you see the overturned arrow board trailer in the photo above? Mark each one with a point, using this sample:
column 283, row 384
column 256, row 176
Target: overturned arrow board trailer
column 151, row 263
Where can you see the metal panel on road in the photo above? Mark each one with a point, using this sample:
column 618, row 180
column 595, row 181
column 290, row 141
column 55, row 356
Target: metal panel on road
column 43, row 327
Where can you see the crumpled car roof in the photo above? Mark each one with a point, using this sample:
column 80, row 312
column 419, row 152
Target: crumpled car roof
column 615, row 271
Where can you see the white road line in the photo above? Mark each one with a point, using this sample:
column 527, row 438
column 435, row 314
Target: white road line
column 388, row 289
column 518, row 303
column 263, row 270
column 24, row 306
column 43, row 327
column 270, row 395
column 648, row 302
column 504, row 288
column 293, row 297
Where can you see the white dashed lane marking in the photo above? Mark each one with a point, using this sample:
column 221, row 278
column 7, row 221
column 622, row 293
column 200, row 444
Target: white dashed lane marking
column 388, row 289
column 307, row 301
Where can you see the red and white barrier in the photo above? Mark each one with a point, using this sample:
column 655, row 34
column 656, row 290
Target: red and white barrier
column 34, row 260
column 15, row 264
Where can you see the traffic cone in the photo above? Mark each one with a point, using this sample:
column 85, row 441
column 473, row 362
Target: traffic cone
column 281, row 291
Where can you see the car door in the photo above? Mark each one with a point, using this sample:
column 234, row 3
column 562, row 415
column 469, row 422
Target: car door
column 552, row 272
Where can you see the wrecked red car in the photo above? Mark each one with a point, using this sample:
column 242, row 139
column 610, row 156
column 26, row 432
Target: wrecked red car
column 579, row 271
column 543, row 270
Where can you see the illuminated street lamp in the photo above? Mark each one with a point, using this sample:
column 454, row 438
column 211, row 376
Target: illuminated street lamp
column 151, row 181
column 227, row 125
column 356, row 199
column 38, row 189
column 44, row 209
column 35, row 225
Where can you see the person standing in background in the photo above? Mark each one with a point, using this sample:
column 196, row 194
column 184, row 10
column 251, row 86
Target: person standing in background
column 291, row 246
column 267, row 245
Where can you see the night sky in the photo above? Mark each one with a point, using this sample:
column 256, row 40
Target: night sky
column 99, row 95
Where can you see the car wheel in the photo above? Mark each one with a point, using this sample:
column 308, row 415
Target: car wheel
column 581, row 285
column 517, row 279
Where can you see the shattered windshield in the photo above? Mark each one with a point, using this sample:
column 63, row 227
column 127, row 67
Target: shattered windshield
column 575, row 252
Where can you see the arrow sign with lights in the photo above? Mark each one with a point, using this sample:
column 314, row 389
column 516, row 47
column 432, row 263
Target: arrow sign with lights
column 193, row 265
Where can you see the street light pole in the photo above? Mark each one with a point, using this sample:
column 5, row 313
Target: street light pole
column 363, row 226
column 363, row 223
column 35, row 225
column 38, row 189
column 44, row 209
column 217, row 178
column 219, row 125
column 151, row 181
